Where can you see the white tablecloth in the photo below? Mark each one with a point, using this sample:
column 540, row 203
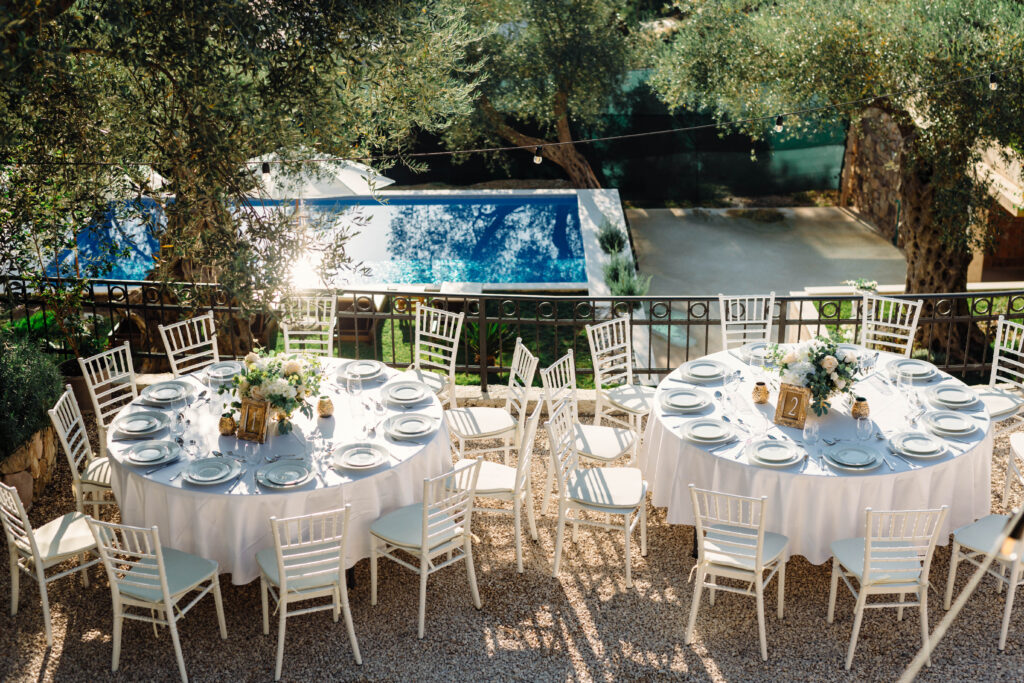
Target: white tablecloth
column 817, row 505
column 230, row 527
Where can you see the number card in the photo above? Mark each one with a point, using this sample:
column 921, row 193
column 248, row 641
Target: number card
column 252, row 421
column 791, row 409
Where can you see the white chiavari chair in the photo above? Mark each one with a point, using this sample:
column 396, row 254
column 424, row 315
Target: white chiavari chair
column 191, row 344
column 309, row 325
column 152, row 579
column 1004, row 393
column 513, row 484
column 307, row 561
column 436, row 345
column 436, row 532
column 732, row 544
column 893, row 557
column 746, row 319
column 617, row 492
column 90, row 476
column 611, row 350
column 889, row 324
column 110, row 378
column 33, row 551
column 482, row 422
column 599, row 443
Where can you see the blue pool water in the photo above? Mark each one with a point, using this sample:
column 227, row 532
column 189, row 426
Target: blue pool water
column 503, row 239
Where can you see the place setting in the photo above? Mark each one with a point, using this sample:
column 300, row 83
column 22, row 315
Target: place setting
column 702, row 371
column 140, row 424
column 769, row 452
column 222, row 371
column 684, row 400
column 167, row 394
column 217, row 469
column 285, row 472
column 952, row 396
column 361, row 456
column 405, row 393
column 950, row 425
column 153, row 454
column 363, row 370
column 912, row 370
column 710, row 432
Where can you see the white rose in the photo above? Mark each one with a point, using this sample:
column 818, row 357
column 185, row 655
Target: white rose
column 790, row 357
column 251, row 358
column 292, row 367
column 829, row 363
column 256, row 392
column 840, row 383
column 849, row 357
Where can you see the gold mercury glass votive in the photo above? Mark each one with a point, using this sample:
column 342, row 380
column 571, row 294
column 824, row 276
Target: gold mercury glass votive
column 760, row 392
column 860, row 408
column 226, row 425
column 325, row 406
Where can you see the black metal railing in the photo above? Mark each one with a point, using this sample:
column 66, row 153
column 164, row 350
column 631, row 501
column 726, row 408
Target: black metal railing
column 957, row 329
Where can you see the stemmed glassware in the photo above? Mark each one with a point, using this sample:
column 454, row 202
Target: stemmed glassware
column 811, row 434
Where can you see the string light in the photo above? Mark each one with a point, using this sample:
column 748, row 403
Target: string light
column 266, row 168
column 537, row 158
column 778, row 124
column 993, row 82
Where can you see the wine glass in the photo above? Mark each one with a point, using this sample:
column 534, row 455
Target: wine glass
column 354, row 386
column 811, row 434
column 865, row 428
column 178, row 426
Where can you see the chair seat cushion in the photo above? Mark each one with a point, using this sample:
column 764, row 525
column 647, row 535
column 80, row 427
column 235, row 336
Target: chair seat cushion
column 980, row 536
column 474, row 423
column 603, row 443
column 62, row 537
column 720, row 548
column 435, row 380
column 1000, row 403
column 404, row 527
column 323, row 552
column 494, row 477
column 850, row 554
column 631, row 398
column 97, row 473
column 607, row 487
column 184, row 572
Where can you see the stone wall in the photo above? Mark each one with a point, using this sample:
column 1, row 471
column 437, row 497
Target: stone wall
column 870, row 183
column 37, row 459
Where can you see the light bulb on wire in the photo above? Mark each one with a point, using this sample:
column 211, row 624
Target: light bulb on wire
column 778, row 124
column 537, row 158
column 993, row 82
column 266, row 168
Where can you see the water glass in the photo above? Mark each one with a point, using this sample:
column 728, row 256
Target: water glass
column 865, row 428
column 811, row 434
column 178, row 426
column 354, row 386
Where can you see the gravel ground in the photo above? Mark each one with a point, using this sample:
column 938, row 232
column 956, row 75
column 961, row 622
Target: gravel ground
column 584, row 625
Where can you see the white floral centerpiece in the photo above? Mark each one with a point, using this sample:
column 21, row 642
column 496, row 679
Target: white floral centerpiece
column 284, row 381
column 818, row 365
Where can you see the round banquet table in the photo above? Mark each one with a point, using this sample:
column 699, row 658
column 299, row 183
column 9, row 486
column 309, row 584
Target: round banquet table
column 811, row 502
column 229, row 523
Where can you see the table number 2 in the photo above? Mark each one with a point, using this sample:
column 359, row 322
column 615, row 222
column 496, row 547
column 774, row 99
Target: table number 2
column 791, row 409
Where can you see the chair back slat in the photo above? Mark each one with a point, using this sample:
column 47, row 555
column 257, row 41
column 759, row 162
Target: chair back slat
column 17, row 528
column 110, row 377
column 309, row 324
column 526, row 449
column 191, row 344
column 520, row 379
column 736, row 524
column 561, row 426
column 889, row 324
column 746, row 319
column 67, row 420
column 559, row 382
column 611, row 349
column 132, row 557
column 311, row 547
column 898, row 544
column 448, row 504
column 1008, row 358
column 436, row 340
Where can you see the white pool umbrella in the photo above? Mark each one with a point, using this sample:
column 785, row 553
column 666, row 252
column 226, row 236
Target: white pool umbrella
column 314, row 180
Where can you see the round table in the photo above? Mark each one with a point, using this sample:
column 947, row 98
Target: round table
column 811, row 502
column 229, row 523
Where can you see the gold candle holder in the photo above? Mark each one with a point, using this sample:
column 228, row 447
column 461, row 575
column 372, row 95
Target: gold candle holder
column 860, row 408
column 227, row 425
column 325, row 406
column 760, row 392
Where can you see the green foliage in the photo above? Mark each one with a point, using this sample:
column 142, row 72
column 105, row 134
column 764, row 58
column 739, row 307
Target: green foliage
column 622, row 278
column 499, row 336
column 29, row 386
column 610, row 238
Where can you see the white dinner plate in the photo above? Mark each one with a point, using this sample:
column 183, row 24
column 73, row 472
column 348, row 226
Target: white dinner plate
column 853, row 458
column 856, row 349
column 140, row 424
column 912, row 368
column 285, row 473
column 917, row 445
column 753, row 351
column 685, row 400
column 360, row 369
column 406, row 392
column 223, row 370
column 707, row 430
column 773, row 453
column 359, row 456
column 410, row 426
column 166, row 393
column 153, row 453
column 948, row 423
column 211, row 471
column 703, row 370
column 952, row 396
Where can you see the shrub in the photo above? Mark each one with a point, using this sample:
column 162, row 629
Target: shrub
column 610, row 238
column 623, row 280
column 29, row 386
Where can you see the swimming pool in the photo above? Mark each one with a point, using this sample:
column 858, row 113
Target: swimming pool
column 421, row 238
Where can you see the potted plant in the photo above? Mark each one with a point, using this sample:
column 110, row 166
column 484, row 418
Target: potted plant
column 29, row 386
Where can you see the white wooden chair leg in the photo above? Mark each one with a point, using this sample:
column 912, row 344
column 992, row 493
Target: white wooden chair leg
column 832, row 591
column 1011, row 590
column 218, row 604
column 954, row 560
column 12, row 563
column 858, row 614
column 694, row 605
column 549, row 481
column 45, row 598
column 346, row 612
column 517, row 530
column 559, row 534
column 643, row 528
column 471, row 574
column 759, row 593
column 711, row 590
column 597, row 408
column 575, row 531
column 173, row 626
column 336, row 603
column 266, row 606
column 115, row 661
column 85, row 572
column 373, row 570
column 507, row 448
column 282, row 616
column 629, row 553
column 781, row 578
column 899, row 610
column 923, row 599
column 530, row 515
column 423, row 595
